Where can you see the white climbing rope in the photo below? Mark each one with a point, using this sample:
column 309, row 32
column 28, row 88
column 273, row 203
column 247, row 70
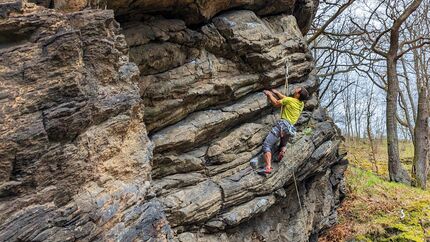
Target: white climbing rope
column 282, row 107
column 274, row 121
column 297, row 191
column 287, row 74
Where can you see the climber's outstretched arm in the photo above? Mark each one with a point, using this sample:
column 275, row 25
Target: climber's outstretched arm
column 275, row 102
column 280, row 95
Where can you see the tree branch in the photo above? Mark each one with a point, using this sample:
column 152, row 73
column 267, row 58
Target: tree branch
column 412, row 48
column 330, row 20
column 375, row 43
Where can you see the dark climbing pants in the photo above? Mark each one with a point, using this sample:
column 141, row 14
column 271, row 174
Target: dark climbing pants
column 288, row 132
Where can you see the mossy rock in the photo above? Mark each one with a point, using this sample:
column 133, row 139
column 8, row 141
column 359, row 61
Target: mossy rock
column 307, row 131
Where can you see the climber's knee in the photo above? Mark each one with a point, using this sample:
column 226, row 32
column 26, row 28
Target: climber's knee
column 269, row 142
column 266, row 148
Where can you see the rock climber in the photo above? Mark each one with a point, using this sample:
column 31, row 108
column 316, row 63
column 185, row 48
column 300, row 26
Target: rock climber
column 291, row 108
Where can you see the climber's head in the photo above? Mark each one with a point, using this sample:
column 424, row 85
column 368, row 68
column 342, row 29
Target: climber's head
column 301, row 93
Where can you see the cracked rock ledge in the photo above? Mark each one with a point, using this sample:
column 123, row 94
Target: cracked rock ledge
column 138, row 120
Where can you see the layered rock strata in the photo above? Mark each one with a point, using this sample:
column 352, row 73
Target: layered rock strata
column 75, row 155
column 146, row 131
column 192, row 12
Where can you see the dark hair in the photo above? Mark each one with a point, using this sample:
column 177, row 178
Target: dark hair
column 304, row 94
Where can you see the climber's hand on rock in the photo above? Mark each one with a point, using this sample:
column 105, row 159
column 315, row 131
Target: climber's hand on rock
column 267, row 92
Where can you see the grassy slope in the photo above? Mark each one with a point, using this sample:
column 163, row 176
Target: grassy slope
column 378, row 210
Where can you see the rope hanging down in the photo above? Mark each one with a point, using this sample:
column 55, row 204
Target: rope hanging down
column 282, row 107
column 285, row 85
column 286, row 76
column 274, row 121
column 297, row 191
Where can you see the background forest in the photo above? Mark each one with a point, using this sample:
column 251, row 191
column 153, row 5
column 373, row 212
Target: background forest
column 373, row 60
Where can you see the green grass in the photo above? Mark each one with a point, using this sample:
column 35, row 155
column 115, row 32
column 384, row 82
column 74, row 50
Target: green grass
column 376, row 209
column 359, row 154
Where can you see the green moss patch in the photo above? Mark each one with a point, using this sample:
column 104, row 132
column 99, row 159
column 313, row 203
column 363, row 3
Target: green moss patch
column 376, row 209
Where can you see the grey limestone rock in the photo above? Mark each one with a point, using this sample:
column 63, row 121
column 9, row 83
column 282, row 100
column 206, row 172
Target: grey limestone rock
column 139, row 123
column 75, row 155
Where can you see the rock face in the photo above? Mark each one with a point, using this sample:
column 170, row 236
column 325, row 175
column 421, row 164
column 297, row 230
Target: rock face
column 75, row 155
column 146, row 131
column 192, row 12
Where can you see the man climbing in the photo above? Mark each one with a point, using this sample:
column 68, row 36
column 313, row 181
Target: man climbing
column 291, row 108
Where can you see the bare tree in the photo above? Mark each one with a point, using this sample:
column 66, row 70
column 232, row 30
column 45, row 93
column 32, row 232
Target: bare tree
column 405, row 103
column 341, row 7
column 420, row 169
column 351, row 49
column 370, row 110
column 391, row 56
column 421, row 129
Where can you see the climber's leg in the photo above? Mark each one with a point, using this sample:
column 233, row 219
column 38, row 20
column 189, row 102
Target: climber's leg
column 268, row 161
column 282, row 145
column 288, row 132
column 268, row 144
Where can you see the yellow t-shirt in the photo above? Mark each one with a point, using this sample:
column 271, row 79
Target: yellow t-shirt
column 291, row 109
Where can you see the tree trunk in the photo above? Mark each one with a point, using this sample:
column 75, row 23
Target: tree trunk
column 420, row 168
column 409, row 124
column 395, row 168
column 369, row 132
column 357, row 132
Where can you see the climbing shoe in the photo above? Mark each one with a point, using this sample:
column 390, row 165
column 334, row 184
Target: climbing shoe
column 268, row 170
column 265, row 171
